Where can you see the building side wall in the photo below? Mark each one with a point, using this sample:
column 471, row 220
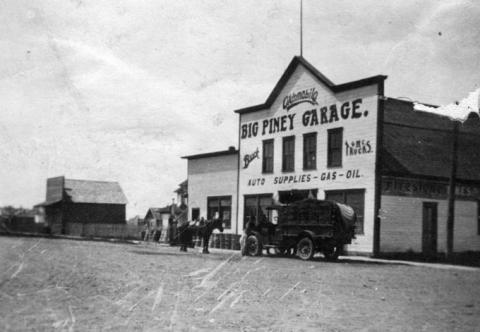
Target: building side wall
column 357, row 170
column 53, row 217
column 401, row 224
column 212, row 176
column 94, row 213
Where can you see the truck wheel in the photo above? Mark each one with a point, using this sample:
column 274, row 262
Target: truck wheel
column 305, row 248
column 332, row 253
column 253, row 246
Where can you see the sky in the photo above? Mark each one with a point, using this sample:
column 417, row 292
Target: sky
column 120, row 90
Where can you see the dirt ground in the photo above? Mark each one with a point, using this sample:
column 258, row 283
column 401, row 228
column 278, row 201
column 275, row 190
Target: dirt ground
column 48, row 284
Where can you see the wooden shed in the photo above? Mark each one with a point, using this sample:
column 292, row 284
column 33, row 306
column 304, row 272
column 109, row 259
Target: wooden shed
column 82, row 202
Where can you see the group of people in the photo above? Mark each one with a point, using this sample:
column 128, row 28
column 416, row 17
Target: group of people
column 181, row 231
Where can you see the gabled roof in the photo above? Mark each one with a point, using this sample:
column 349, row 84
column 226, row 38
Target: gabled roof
column 182, row 187
column 82, row 191
column 157, row 212
column 297, row 60
column 101, row 192
column 420, row 143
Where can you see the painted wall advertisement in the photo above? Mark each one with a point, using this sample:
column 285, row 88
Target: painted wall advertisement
column 428, row 189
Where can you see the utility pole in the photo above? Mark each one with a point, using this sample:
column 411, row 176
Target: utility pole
column 451, row 192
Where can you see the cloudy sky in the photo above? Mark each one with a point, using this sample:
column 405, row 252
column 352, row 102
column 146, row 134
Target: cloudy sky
column 119, row 90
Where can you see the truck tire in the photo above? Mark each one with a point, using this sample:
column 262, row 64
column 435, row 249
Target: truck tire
column 253, row 246
column 305, row 248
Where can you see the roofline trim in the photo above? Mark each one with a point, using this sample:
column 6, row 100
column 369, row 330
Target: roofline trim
column 322, row 78
column 212, row 154
column 411, row 102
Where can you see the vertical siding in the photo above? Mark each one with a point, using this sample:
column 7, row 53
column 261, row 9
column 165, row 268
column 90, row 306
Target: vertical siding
column 94, row 213
column 401, row 224
column 53, row 216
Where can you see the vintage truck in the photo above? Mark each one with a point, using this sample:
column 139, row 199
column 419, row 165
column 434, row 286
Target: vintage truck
column 303, row 227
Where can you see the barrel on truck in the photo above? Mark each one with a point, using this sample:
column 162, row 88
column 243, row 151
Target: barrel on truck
column 302, row 228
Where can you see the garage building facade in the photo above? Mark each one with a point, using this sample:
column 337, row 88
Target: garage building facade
column 351, row 144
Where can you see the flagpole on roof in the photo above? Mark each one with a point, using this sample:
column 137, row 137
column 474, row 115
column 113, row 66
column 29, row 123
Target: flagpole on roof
column 301, row 28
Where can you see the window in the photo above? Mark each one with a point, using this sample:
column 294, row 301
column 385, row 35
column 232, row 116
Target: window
column 335, row 139
column 310, row 151
column 220, row 207
column 288, row 160
column 255, row 208
column 267, row 162
column 354, row 198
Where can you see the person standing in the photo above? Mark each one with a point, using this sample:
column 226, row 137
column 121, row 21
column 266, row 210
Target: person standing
column 183, row 233
column 172, row 231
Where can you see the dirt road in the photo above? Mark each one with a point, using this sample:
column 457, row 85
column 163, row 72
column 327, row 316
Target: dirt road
column 79, row 285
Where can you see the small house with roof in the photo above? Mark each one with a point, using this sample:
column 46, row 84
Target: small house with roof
column 157, row 217
column 82, row 201
column 182, row 193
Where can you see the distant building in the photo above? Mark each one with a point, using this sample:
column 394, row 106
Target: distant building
column 157, row 217
column 20, row 220
column 82, row 201
column 182, row 193
column 136, row 221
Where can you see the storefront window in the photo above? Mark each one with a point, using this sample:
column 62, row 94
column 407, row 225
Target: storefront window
column 220, row 207
column 255, row 208
column 290, row 196
column 354, row 198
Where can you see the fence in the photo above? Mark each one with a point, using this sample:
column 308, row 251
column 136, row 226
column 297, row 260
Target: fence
column 222, row 241
column 134, row 232
column 118, row 231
